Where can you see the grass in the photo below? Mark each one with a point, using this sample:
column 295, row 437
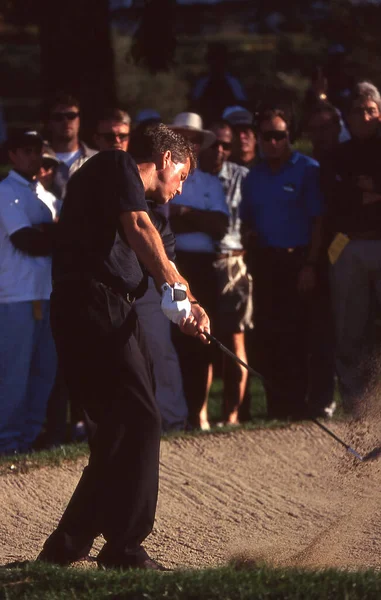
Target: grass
column 44, row 582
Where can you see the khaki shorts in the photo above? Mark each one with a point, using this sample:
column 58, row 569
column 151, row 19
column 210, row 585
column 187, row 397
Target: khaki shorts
column 234, row 295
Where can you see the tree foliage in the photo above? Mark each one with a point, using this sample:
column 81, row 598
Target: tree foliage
column 155, row 42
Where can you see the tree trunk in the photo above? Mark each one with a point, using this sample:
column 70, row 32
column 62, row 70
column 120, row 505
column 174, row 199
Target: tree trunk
column 76, row 53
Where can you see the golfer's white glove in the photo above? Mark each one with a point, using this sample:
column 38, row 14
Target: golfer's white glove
column 174, row 302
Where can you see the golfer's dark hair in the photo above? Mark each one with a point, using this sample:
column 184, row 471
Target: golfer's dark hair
column 146, row 142
column 364, row 91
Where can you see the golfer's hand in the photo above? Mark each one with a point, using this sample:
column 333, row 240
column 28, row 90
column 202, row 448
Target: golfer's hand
column 196, row 323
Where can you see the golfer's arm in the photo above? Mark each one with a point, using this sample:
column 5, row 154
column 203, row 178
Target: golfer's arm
column 146, row 242
column 180, row 279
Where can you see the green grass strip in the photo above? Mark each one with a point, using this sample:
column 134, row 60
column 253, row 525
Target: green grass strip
column 44, row 582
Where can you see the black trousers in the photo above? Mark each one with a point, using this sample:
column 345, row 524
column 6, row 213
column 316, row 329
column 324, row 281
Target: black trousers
column 108, row 372
column 293, row 335
column 195, row 357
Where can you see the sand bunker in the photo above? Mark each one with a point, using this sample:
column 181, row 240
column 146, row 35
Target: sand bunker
column 287, row 496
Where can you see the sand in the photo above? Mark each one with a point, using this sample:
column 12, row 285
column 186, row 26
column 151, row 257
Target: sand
column 289, row 497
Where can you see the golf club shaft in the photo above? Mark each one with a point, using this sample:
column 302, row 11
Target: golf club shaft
column 334, row 436
column 211, row 338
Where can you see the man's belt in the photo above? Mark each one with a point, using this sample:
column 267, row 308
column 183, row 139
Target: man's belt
column 230, row 253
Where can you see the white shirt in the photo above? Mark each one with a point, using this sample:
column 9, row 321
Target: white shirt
column 23, row 204
column 69, row 157
column 204, row 192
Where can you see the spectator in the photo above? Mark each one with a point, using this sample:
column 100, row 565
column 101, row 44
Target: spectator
column 282, row 205
column 353, row 187
column 217, row 89
column 316, row 97
column 147, row 116
column 199, row 219
column 112, row 130
column 63, row 123
column 48, row 169
column 322, row 125
column 27, row 353
column 234, row 284
column 244, row 141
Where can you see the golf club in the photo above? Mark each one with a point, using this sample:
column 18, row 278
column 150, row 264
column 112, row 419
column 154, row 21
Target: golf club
column 226, row 350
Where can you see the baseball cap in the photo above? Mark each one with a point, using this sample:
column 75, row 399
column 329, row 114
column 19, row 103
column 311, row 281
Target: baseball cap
column 20, row 138
column 147, row 114
column 237, row 115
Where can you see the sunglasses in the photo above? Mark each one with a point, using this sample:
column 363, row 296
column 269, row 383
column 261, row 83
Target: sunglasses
column 112, row 137
column 267, row 136
column 61, row 116
column 225, row 145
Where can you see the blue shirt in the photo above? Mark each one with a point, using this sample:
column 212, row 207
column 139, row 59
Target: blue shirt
column 280, row 206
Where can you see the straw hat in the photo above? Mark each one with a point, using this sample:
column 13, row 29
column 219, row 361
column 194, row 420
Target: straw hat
column 188, row 121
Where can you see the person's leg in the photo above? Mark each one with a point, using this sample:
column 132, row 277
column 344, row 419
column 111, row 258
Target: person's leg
column 106, row 361
column 42, row 373
column 56, row 415
column 281, row 329
column 195, row 358
column 234, row 377
column 195, row 363
column 321, row 345
column 234, row 311
column 351, row 302
column 169, row 386
column 16, row 346
column 203, row 414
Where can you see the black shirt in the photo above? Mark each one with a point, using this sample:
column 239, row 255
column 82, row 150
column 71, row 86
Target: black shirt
column 91, row 243
column 347, row 211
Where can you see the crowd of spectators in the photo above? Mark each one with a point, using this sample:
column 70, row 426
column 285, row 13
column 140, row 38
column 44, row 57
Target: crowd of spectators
column 282, row 249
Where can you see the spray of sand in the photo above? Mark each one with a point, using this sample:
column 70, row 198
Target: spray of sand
column 342, row 542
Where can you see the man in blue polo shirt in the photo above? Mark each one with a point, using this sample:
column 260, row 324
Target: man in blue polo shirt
column 282, row 207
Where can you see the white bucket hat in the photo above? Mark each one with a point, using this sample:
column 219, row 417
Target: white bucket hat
column 192, row 122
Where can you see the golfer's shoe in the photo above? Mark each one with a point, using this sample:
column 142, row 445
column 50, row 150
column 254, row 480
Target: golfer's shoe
column 62, row 549
column 137, row 559
column 61, row 560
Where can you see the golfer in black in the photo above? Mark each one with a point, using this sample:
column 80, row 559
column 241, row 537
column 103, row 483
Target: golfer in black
column 106, row 246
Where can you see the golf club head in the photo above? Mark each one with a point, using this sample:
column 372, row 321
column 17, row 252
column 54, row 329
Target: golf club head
column 373, row 454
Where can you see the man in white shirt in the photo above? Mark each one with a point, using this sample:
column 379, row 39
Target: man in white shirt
column 27, row 352
column 199, row 219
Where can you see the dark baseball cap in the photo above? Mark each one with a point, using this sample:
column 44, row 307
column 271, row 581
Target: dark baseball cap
column 21, row 138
